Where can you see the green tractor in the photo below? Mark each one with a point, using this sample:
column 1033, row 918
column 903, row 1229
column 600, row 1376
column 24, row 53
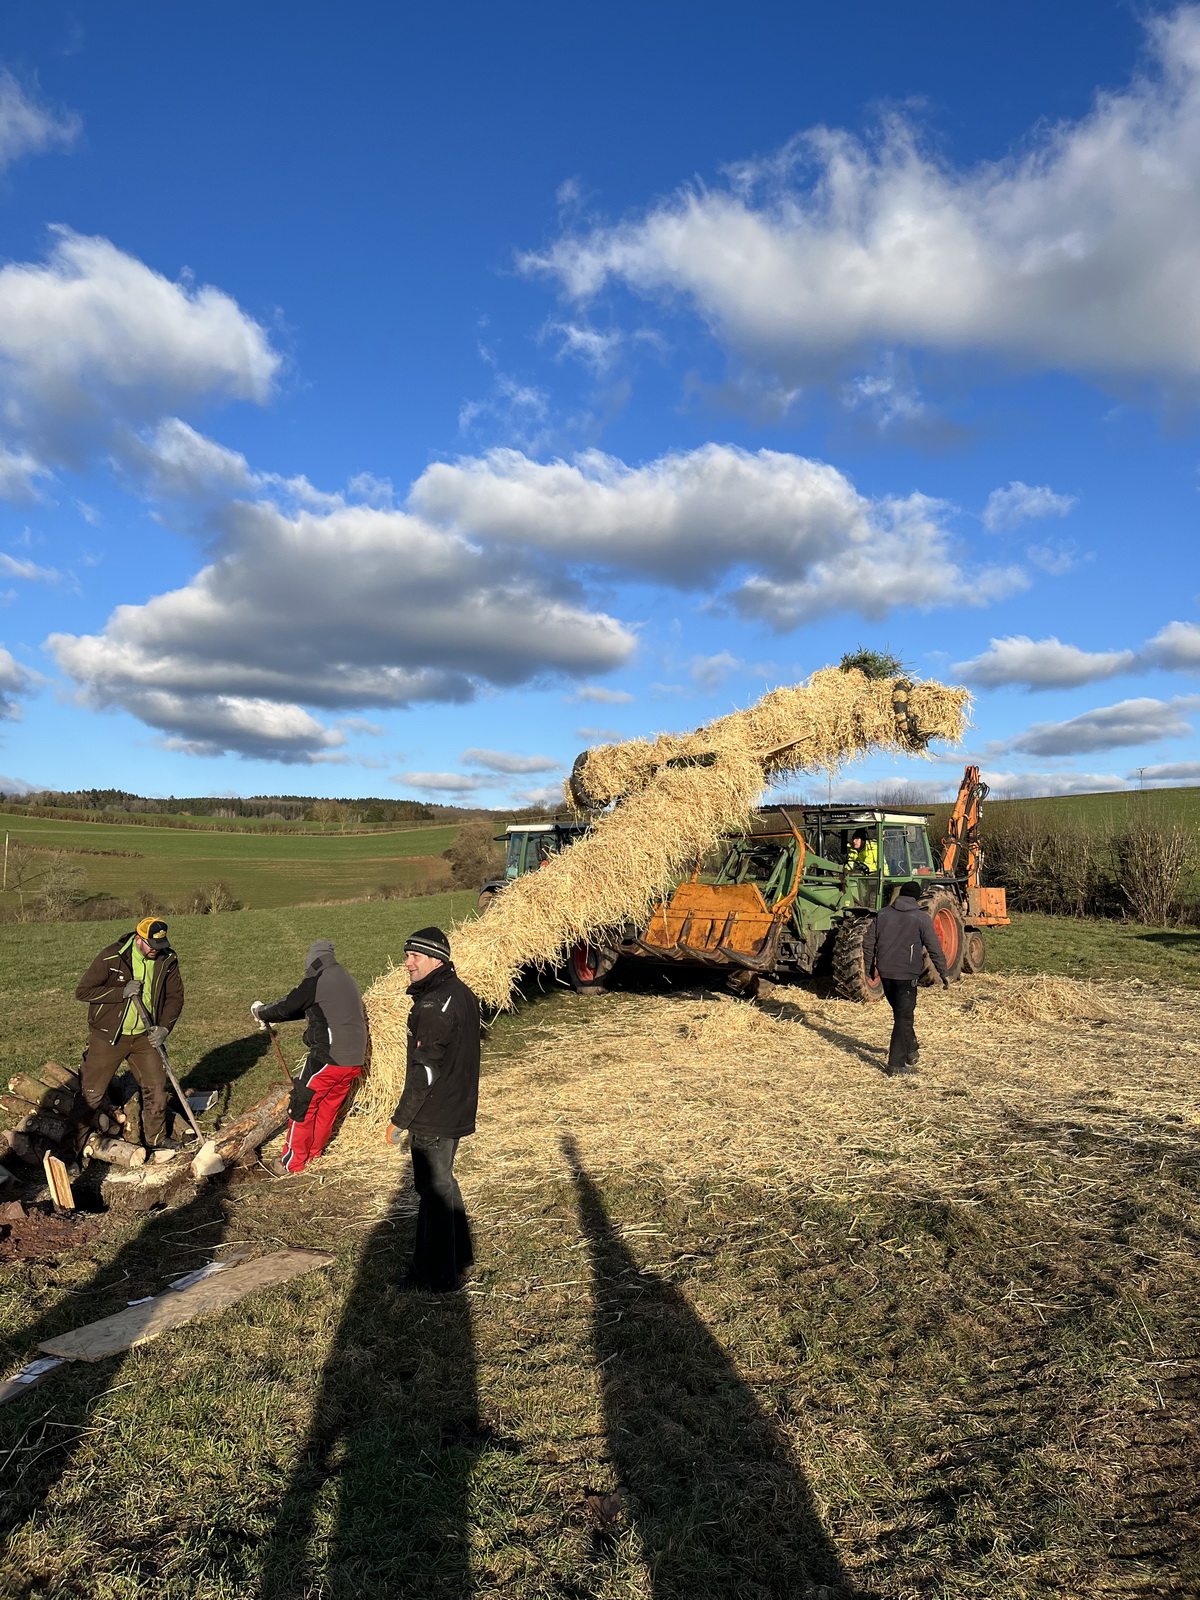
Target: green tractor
column 528, row 846
column 793, row 898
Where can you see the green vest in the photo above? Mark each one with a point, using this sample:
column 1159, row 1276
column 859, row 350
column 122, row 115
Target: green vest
column 143, row 972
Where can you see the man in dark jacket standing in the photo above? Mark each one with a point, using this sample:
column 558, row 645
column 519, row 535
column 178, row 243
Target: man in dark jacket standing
column 441, row 1093
column 895, row 947
column 336, row 1036
column 141, row 963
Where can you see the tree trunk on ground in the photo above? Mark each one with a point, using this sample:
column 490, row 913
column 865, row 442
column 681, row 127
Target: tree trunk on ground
column 242, row 1137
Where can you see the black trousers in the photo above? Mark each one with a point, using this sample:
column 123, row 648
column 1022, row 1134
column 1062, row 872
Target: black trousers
column 901, row 995
column 443, row 1249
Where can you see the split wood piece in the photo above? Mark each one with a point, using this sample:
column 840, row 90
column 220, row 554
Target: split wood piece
column 60, row 1184
column 253, row 1128
column 30, row 1375
column 137, row 1324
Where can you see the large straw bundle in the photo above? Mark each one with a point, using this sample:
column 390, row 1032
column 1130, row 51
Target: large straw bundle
column 670, row 816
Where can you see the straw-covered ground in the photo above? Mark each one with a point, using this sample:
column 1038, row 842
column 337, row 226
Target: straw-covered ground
column 750, row 1322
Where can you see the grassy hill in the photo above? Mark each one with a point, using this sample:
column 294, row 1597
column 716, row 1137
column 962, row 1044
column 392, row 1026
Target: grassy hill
column 278, row 869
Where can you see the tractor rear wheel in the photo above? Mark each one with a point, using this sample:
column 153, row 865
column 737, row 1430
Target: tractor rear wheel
column 851, row 979
column 485, row 900
column 974, row 951
column 587, row 968
column 946, row 915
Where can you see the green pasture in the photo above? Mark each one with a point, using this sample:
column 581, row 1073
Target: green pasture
column 264, row 871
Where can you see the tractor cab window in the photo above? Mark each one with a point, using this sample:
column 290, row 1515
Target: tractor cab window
column 765, row 863
column 895, row 852
column 919, row 860
column 513, row 861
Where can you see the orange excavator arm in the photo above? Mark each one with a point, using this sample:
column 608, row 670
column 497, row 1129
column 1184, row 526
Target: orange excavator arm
column 962, row 853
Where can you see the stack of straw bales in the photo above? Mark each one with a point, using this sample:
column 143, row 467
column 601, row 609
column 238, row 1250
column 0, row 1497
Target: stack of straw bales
column 669, row 817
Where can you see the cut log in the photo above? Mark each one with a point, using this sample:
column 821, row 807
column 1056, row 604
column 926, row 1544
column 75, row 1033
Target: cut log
column 58, row 1077
column 43, row 1096
column 115, row 1151
column 18, row 1116
column 19, row 1146
column 242, row 1137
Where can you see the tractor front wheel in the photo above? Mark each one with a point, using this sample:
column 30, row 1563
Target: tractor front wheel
column 946, row 915
column 485, row 900
column 851, row 979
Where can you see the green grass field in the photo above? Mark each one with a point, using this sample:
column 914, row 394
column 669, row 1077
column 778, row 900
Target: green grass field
column 263, row 871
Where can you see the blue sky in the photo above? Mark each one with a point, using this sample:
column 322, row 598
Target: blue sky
column 394, row 400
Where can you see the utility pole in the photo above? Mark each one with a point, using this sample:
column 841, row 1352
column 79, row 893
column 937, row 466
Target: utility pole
column 6, row 860
column 1141, row 772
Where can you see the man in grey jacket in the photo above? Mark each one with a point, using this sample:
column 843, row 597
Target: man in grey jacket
column 336, row 1036
column 895, row 948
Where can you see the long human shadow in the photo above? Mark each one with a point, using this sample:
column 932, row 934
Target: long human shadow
column 719, row 1505
column 41, row 1431
column 377, row 1501
column 227, row 1062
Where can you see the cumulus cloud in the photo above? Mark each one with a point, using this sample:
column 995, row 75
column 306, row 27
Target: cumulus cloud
column 27, row 126
column 441, row 782
column 809, row 541
column 547, row 794
column 1171, row 772
column 1033, row 785
column 506, row 761
column 93, row 342
column 1042, row 664
column 710, row 672
column 1009, row 508
column 1078, row 254
column 1129, row 722
column 211, row 724
column 343, row 609
column 17, row 786
column 16, row 682
column 1175, row 648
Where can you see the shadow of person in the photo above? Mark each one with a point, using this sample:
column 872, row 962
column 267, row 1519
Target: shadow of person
column 789, row 1011
column 719, row 1505
column 41, row 1431
column 377, row 1502
column 228, row 1062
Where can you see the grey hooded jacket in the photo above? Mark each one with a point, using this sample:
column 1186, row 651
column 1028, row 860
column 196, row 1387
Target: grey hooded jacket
column 332, row 1003
column 897, row 940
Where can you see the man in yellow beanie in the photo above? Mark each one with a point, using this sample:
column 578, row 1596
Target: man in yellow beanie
column 140, row 963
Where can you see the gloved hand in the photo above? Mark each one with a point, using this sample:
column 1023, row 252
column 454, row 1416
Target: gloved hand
column 131, row 988
column 392, row 1134
column 158, row 1036
column 259, row 1005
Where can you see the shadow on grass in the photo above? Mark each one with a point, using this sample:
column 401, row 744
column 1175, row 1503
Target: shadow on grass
column 40, row 1433
column 1178, row 940
column 377, row 1502
column 228, row 1062
column 719, row 1505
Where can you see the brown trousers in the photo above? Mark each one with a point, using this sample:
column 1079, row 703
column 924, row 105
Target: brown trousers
column 99, row 1068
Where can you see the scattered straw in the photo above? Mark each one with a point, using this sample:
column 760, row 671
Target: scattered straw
column 670, row 817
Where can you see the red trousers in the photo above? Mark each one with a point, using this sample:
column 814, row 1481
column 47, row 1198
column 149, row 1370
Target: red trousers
column 305, row 1140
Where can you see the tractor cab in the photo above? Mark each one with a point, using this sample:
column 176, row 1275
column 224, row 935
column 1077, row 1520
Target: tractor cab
column 528, row 846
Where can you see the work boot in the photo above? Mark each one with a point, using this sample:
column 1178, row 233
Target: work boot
column 914, row 1060
column 277, row 1169
column 906, row 1071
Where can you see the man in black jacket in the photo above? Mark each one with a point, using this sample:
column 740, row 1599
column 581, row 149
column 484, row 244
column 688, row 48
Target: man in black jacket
column 895, row 947
column 336, row 1036
column 441, row 1093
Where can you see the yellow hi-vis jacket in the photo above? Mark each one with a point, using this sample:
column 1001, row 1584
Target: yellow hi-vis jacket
column 864, row 860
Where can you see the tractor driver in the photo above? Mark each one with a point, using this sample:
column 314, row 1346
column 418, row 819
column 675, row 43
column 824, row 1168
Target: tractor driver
column 863, row 854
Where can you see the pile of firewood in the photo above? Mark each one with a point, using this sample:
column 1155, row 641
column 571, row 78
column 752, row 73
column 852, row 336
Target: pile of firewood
column 37, row 1112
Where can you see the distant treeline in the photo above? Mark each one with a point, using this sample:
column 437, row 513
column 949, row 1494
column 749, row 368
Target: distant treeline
column 265, row 807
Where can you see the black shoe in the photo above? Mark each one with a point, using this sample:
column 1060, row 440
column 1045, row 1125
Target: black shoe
column 914, row 1060
column 906, row 1071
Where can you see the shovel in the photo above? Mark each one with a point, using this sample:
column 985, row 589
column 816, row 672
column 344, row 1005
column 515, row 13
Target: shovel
column 171, row 1078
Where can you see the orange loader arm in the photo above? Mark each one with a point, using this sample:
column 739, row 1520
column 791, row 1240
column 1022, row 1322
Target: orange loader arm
column 962, row 852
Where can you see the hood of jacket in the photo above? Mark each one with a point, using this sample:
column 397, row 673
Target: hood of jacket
column 320, row 954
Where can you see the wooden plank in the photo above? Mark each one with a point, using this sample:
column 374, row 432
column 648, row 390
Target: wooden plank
column 60, row 1184
column 28, row 1378
column 136, row 1324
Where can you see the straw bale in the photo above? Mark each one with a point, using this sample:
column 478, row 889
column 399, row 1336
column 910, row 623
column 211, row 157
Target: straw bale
column 668, row 819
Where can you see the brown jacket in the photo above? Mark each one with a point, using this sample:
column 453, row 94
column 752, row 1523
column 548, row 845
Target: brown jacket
column 108, row 974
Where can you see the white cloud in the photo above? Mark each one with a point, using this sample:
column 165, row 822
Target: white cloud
column 210, row 724
column 1175, row 648
column 343, row 609
column 16, row 682
column 94, row 342
column 441, row 782
column 1129, row 722
column 599, row 735
column 598, row 695
column 1009, row 508
column 28, row 127
column 1173, row 772
column 547, row 794
column 12, row 567
column 1033, row 785
column 505, row 761
column 710, row 672
column 1078, row 254
column 17, row 786
column 1042, row 664
column 811, row 542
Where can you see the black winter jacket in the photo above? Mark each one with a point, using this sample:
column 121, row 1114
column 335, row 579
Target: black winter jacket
column 897, row 940
column 332, row 1002
column 441, row 1083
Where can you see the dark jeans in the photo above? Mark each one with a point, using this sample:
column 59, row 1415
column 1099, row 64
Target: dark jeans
column 443, row 1250
column 901, row 995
